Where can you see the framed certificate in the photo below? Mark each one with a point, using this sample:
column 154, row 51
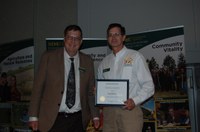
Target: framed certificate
column 111, row 92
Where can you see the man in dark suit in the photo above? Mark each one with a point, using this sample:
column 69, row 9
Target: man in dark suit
column 48, row 110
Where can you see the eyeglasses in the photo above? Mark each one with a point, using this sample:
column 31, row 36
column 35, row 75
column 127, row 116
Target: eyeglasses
column 114, row 34
column 73, row 38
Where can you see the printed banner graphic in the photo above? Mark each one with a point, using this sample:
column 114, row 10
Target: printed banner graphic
column 164, row 50
column 17, row 67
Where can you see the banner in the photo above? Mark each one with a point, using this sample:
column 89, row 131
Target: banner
column 16, row 82
column 17, row 66
column 164, row 50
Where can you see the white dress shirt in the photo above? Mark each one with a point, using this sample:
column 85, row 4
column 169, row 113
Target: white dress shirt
column 67, row 64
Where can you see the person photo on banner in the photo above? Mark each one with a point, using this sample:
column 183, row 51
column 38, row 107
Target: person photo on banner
column 4, row 89
column 15, row 94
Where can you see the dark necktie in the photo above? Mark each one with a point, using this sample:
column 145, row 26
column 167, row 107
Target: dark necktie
column 71, row 87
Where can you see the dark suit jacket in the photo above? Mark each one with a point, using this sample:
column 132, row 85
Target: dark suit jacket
column 49, row 86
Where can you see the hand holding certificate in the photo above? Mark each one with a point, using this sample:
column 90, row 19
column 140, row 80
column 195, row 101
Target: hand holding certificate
column 112, row 92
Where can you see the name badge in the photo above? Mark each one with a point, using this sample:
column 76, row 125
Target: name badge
column 106, row 70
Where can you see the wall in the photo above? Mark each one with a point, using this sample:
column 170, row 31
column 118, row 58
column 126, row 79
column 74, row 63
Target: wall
column 38, row 19
column 138, row 16
column 16, row 20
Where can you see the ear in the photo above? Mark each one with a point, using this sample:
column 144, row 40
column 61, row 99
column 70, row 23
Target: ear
column 124, row 37
column 81, row 41
column 64, row 39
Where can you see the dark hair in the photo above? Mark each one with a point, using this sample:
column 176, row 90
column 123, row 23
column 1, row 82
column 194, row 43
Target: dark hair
column 4, row 74
column 74, row 28
column 112, row 25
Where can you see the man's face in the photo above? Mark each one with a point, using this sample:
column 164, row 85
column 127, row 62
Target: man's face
column 171, row 111
column 115, row 38
column 72, row 42
column 12, row 81
column 2, row 81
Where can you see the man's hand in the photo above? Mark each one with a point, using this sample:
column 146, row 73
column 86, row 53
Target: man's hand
column 129, row 104
column 96, row 124
column 33, row 125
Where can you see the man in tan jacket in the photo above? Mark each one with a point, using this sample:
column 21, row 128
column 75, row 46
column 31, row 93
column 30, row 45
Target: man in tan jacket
column 48, row 111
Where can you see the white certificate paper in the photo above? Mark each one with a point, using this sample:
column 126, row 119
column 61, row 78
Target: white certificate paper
column 112, row 92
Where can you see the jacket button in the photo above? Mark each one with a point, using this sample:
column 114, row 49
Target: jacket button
column 62, row 92
column 58, row 104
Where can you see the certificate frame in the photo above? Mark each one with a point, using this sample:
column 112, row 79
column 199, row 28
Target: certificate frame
column 111, row 92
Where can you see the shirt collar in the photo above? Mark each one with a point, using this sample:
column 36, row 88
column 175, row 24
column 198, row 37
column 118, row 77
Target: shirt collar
column 66, row 55
column 120, row 53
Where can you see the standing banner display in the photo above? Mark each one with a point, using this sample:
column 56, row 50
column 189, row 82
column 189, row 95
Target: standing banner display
column 16, row 82
column 17, row 59
column 164, row 50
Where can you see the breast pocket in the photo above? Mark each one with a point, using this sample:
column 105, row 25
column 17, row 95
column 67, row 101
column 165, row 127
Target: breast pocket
column 127, row 72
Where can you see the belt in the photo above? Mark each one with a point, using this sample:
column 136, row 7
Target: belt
column 68, row 114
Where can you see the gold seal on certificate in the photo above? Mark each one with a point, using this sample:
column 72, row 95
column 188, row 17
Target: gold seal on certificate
column 102, row 99
column 111, row 92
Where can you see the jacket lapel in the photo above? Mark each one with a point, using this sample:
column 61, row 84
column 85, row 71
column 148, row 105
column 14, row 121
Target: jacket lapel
column 61, row 67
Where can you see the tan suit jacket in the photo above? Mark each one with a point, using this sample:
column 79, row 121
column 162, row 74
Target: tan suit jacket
column 49, row 86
